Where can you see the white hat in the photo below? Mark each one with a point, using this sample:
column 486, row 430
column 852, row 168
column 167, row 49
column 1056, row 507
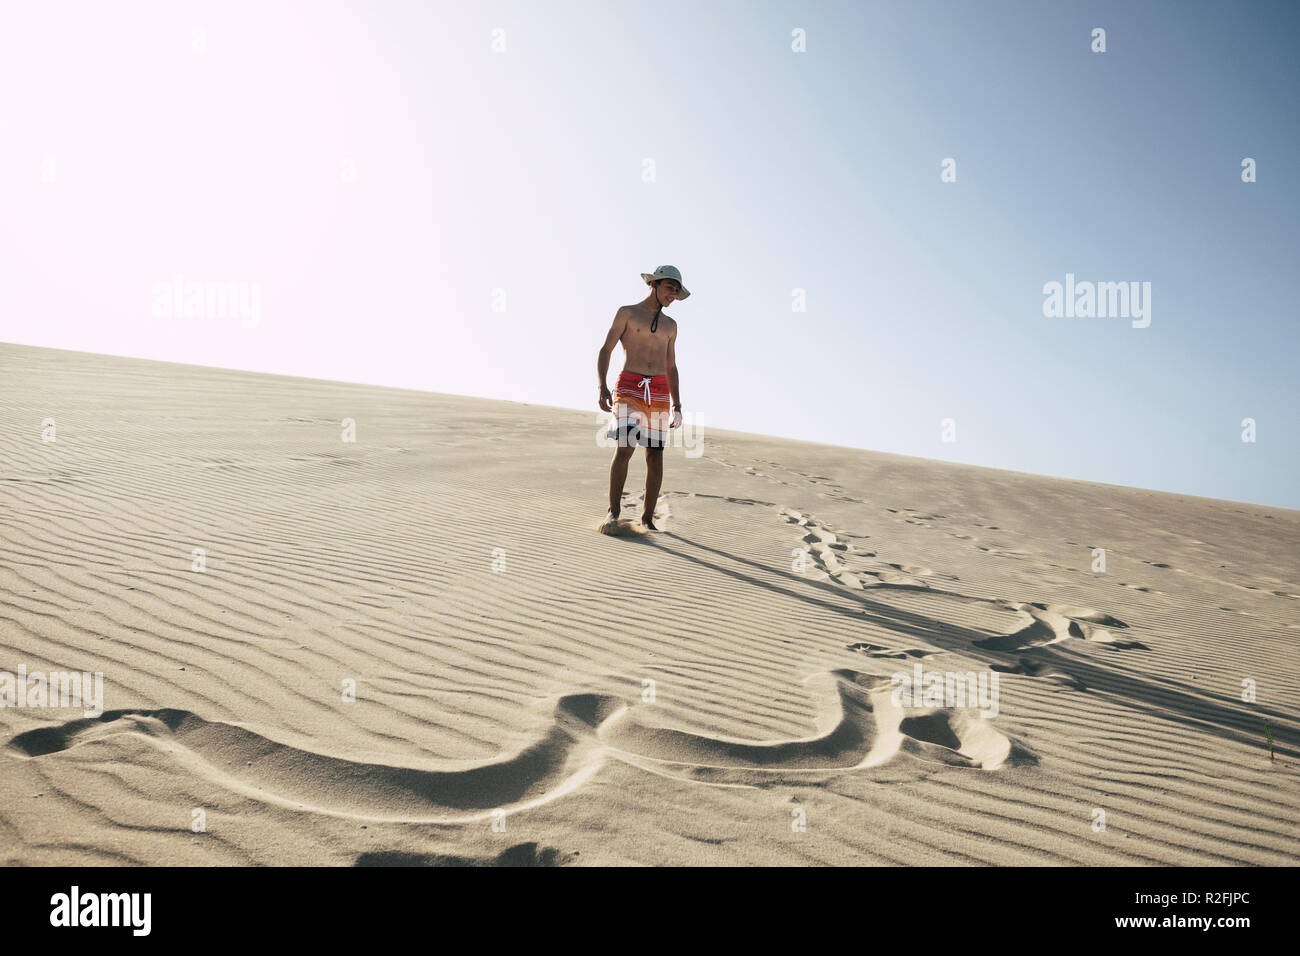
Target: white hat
column 667, row 272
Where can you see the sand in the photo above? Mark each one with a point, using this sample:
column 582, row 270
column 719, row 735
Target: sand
column 528, row 690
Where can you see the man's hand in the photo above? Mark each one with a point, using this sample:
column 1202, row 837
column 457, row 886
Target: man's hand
column 677, row 418
column 606, row 399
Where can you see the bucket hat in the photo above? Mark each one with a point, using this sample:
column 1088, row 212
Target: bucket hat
column 667, row 272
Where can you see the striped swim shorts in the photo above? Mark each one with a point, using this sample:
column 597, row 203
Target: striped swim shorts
column 642, row 410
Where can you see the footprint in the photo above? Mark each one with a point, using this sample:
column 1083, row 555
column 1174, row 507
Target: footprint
column 1002, row 552
column 1042, row 669
column 736, row 501
column 822, row 547
column 1052, row 623
column 877, row 651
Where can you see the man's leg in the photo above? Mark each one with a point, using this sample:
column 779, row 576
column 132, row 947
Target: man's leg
column 654, row 477
column 618, row 475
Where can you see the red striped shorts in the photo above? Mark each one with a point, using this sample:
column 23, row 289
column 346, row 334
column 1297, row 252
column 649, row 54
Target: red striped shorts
column 642, row 410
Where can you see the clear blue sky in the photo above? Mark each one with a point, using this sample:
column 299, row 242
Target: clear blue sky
column 207, row 140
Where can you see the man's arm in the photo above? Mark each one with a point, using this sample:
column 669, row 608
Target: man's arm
column 612, row 338
column 616, row 330
column 672, row 368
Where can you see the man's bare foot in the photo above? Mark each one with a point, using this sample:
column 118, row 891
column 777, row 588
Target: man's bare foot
column 648, row 521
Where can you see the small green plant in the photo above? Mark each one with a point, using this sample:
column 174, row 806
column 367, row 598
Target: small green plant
column 1269, row 733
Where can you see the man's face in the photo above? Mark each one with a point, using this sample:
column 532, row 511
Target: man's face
column 668, row 289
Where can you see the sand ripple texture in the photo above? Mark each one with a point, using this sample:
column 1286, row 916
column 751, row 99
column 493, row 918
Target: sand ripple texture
column 414, row 648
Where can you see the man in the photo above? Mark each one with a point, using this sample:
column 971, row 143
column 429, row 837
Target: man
column 649, row 374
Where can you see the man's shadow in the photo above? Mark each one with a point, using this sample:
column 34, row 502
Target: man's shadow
column 1172, row 700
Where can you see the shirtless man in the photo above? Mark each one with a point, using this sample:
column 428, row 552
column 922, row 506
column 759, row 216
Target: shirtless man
column 649, row 374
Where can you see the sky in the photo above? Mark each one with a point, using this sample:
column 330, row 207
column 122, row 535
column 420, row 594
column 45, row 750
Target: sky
column 457, row 197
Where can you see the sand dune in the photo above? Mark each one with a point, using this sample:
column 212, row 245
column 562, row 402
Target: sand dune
column 415, row 648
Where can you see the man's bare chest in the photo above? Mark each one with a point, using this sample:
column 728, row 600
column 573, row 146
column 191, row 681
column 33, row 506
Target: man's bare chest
column 646, row 330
